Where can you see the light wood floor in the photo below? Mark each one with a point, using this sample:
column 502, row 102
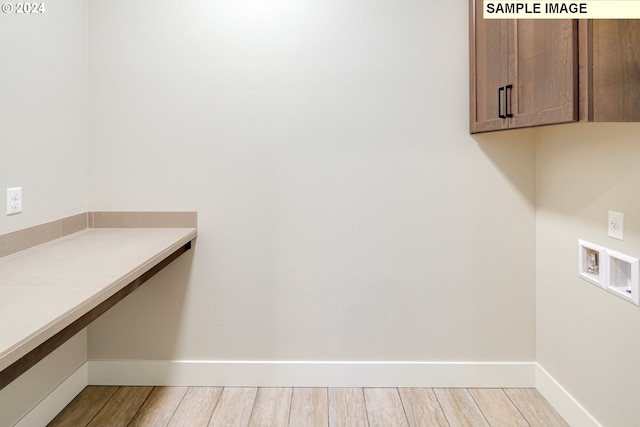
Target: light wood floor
column 307, row 407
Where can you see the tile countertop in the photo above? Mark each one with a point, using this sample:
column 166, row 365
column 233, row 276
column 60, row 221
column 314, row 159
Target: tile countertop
column 46, row 288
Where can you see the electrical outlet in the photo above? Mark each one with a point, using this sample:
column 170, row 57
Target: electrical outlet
column 14, row 200
column 616, row 225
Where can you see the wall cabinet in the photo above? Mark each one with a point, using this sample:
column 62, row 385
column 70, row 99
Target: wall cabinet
column 538, row 72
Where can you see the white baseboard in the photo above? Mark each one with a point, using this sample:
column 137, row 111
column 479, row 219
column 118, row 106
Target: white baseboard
column 55, row 401
column 569, row 408
column 311, row 374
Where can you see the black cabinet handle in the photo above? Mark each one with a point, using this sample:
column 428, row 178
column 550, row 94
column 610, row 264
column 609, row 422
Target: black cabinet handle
column 507, row 98
column 500, row 90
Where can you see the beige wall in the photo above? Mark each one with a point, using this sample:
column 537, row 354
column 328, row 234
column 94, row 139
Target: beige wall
column 43, row 113
column 43, row 145
column 587, row 338
column 344, row 211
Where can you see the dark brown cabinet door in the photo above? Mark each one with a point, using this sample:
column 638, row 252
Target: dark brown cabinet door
column 616, row 70
column 488, row 69
column 544, row 72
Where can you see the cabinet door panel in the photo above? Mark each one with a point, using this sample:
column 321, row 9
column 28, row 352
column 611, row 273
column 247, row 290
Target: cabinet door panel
column 543, row 70
column 488, row 62
column 616, row 70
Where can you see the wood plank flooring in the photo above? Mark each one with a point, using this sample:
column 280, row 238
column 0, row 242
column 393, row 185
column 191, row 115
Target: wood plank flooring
column 112, row 406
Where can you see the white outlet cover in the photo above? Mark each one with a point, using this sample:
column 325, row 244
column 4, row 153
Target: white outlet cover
column 615, row 225
column 14, row 200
